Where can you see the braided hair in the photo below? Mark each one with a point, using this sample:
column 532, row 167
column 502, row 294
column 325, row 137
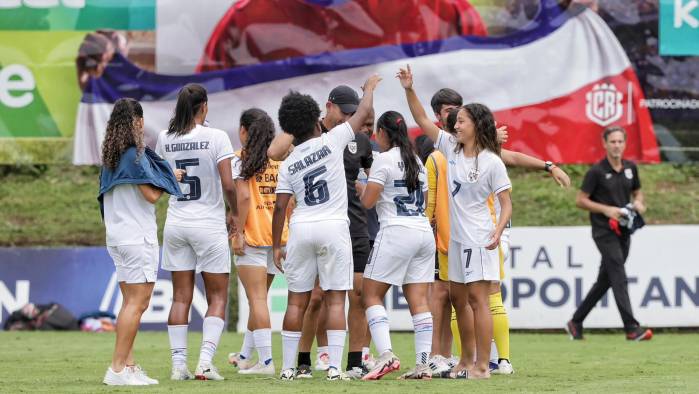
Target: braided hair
column 260, row 129
column 393, row 124
column 121, row 132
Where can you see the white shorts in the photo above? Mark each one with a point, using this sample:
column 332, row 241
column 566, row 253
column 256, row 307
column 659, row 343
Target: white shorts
column 472, row 264
column 319, row 249
column 196, row 249
column 136, row 263
column 258, row 256
column 402, row 255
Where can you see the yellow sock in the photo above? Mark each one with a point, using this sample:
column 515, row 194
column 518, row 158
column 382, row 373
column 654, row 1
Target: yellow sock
column 455, row 333
column 501, row 325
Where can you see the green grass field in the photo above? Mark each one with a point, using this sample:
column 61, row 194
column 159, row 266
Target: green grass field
column 76, row 362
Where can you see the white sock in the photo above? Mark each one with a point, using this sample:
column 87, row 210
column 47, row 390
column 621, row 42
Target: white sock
column 322, row 349
column 263, row 343
column 248, row 345
column 178, row 344
column 336, row 346
column 493, row 352
column 422, row 324
column 365, row 352
column 290, row 348
column 212, row 329
column 379, row 327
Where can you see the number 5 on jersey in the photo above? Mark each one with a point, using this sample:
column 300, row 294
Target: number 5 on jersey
column 193, row 181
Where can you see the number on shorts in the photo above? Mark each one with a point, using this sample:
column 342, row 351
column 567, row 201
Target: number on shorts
column 416, row 199
column 316, row 192
column 193, row 181
column 467, row 252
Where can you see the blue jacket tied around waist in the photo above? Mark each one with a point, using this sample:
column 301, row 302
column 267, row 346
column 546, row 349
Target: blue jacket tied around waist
column 147, row 168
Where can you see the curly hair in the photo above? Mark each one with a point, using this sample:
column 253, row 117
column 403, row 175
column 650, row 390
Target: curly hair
column 121, row 133
column 393, row 124
column 298, row 115
column 260, row 129
column 484, row 127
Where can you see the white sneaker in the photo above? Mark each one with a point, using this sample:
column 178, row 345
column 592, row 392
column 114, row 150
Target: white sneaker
column 421, row 371
column 288, row 374
column 141, row 374
column 259, row 369
column 357, row 373
column 236, row 360
column 181, row 373
column 369, row 362
column 335, row 374
column 124, row 378
column 453, row 361
column 386, row 363
column 504, row 368
column 207, row 372
column 322, row 363
column 439, row 365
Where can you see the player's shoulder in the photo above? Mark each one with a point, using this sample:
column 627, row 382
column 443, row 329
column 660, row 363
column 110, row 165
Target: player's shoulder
column 490, row 157
column 628, row 164
column 212, row 131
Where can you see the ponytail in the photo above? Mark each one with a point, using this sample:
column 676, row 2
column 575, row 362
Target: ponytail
column 189, row 101
column 260, row 129
column 393, row 124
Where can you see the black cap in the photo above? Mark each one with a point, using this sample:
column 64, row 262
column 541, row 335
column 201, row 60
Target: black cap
column 344, row 97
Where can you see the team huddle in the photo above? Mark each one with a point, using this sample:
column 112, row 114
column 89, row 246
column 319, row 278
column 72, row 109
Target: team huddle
column 340, row 215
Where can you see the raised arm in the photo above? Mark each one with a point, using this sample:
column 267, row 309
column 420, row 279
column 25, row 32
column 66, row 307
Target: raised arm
column 281, row 146
column 428, row 127
column 366, row 105
column 518, row 159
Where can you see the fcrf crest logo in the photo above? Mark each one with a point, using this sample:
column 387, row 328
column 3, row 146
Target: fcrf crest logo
column 604, row 104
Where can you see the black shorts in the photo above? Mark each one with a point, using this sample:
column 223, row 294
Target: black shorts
column 360, row 252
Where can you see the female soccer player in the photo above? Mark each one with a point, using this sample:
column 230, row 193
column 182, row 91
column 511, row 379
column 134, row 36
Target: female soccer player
column 404, row 250
column 256, row 180
column 131, row 181
column 475, row 172
column 195, row 237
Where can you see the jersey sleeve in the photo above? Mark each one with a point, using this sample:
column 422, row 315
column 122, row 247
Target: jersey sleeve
column 236, row 167
column 589, row 182
column 223, row 148
column 341, row 135
column 380, row 170
column 283, row 182
column 446, row 143
column 159, row 149
column 499, row 180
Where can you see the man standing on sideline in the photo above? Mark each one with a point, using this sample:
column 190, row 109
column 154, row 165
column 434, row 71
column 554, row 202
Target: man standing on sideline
column 608, row 187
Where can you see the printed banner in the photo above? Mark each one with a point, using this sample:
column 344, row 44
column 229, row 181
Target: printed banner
column 83, row 280
column 556, row 85
column 552, row 268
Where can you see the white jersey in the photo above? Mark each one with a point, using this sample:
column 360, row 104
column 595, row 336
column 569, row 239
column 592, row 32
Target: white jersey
column 471, row 181
column 395, row 205
column 129, row 218
column 315, row 173
column 198, row 153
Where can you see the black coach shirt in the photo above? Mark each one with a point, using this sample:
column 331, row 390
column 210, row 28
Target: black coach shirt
column 357, row 155
column 609, row 187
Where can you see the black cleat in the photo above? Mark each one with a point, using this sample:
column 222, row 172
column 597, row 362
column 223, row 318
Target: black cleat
column 304, row 372
column 574, row 330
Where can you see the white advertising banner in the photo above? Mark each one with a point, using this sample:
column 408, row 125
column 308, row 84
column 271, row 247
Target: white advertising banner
column 552, row 268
